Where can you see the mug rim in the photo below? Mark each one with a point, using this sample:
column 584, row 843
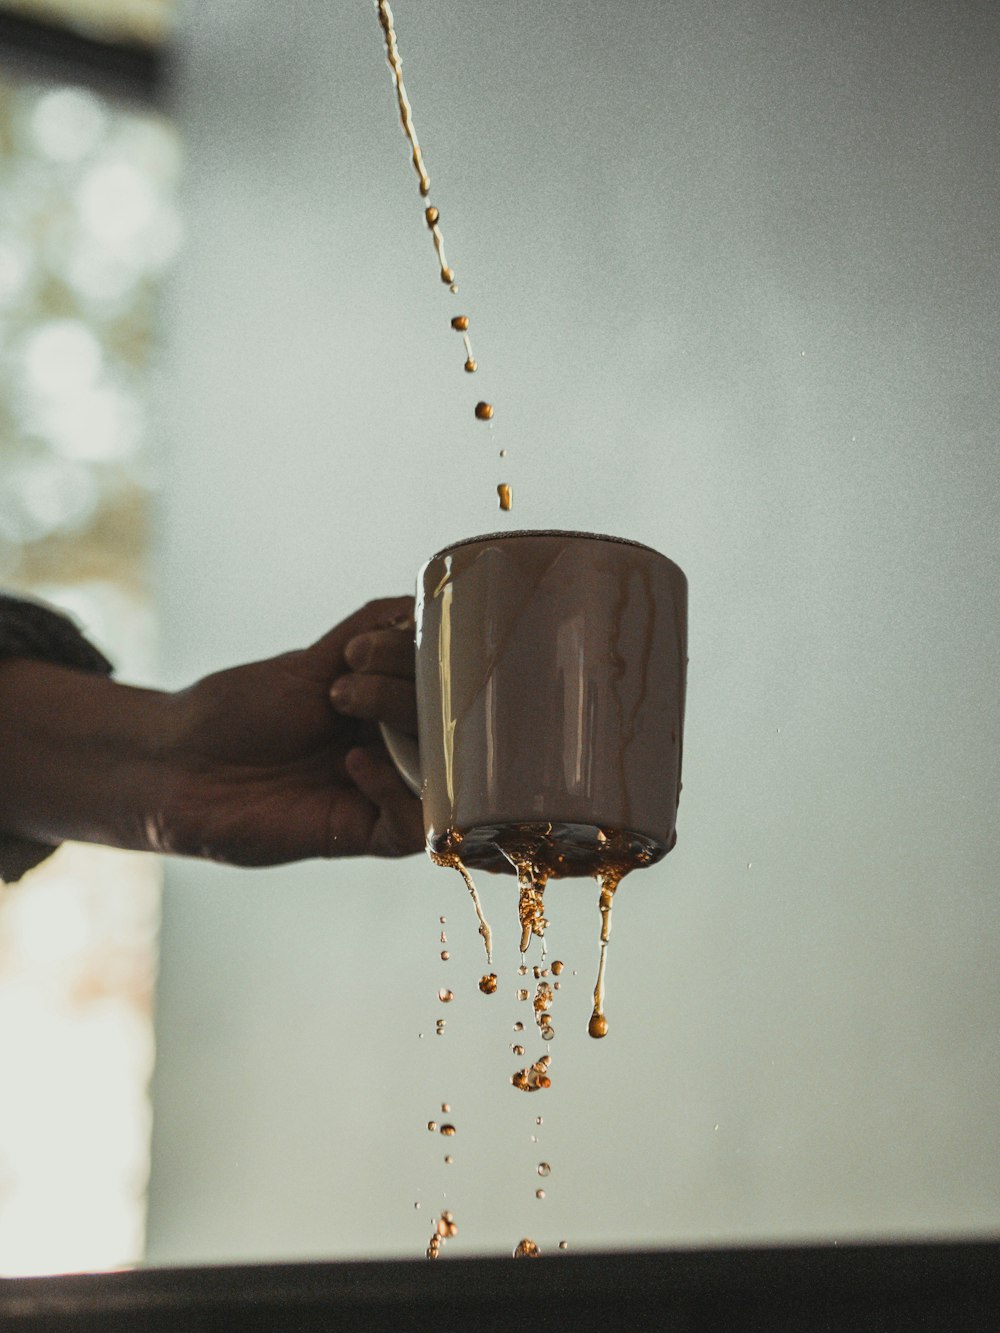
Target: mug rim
column 544, row 532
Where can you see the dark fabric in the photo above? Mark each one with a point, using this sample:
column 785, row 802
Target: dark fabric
column 28, row 629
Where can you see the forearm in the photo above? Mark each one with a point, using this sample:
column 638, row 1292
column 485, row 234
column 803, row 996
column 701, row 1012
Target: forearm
column 81, row 756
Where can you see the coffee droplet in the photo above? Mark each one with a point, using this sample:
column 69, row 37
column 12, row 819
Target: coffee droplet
column 448, row 1131
column 471, row 366
column 557, row 968
column 445, row 1107
column 543, row 1167
column 527, row 1249
column 460, row 323
column 598, row 1025
column 432, row 1125
column 488, row 984
column 539, row 1194
column 518, row 1050
column 445, row 996
column 564, row 1244
column 484, row 411
column 503, row 453
column 448, row 1159
column 538, row 1119
column 445, row 955
column 523, row 994
column 503, row 491
column 447, row 275
column 432, row 216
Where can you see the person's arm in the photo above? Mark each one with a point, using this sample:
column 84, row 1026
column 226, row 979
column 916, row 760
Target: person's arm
column 81, row 756
column 252, row 766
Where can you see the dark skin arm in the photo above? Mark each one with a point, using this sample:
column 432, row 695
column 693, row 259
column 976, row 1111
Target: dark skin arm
column 257, row 765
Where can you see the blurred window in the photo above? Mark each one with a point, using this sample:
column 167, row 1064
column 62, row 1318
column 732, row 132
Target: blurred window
column 88, row 229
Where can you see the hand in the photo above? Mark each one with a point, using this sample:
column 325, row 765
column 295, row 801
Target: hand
column 269, row 764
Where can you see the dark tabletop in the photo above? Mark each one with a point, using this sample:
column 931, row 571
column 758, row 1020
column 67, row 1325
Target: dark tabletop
column 952, row 1286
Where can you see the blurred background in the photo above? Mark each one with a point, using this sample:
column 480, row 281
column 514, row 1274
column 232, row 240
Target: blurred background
column 732, row 278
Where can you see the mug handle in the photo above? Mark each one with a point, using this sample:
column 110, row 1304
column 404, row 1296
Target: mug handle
column 405, row 754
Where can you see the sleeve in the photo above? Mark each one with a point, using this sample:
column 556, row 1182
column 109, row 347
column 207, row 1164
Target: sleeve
column 30, row 629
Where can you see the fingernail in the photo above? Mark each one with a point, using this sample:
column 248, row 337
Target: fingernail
column 404, row 621
column 358, row 653
column 340, row 692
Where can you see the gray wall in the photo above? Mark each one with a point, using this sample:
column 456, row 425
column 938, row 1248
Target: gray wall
column 732, row 270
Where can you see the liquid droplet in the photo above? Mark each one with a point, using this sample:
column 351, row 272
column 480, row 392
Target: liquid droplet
column 598, row 1025
column 519, row 1027
column 527, row 1249
column 432, row 1125
column 557, row 968
column 445, row 1108
column 471, row 366
column 488, row 984
column 506, row 501
column 484, row 411
column 445, row 996
column 448, row 1159
column 522, row 994
column 448, row 1131
column 534, row 1078
column 564, row 1244
column 447, row 275
column 432, row 215
column 460, row 323
column 503, row 453
column 544, row 1169
column 538, row 1119
column 445, row 955
column 539, row 1194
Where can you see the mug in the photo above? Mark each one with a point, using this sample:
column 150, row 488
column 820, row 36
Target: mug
column 550, row 679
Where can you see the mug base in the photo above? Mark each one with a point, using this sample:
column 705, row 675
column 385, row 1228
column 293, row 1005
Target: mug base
column 557, row 850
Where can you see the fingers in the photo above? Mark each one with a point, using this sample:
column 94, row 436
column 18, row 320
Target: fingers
column 386, row 699
column 384, row 652
column 395, row 822
column 327, row 653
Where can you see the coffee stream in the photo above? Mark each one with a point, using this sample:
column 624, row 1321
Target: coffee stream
column 432, row 216
column 529, row 848
column 452, row 859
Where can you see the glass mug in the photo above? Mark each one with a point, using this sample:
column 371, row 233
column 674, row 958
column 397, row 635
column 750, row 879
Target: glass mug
column 550, row 678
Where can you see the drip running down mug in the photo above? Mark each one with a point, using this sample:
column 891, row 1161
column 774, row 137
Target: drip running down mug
column 550, row 677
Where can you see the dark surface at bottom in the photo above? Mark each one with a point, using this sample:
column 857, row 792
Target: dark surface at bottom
column 815, row 1289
